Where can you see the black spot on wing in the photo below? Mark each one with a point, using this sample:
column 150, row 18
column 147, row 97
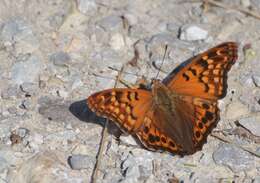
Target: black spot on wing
column 186, row 77
column 193, row 71
column 204, row 120
column 205, row 106
column 203, row 63
column 118, row 95
column 206, row 89
column 136, row 96
column 151, row 138
column 211, row 54
column 209, row 115
column 146, row 129
column 171, row 144
column 129, row 95
column 200, row 125
column 157, row 138
column 107, row 94
column 163, row 139
column 197, row 134
column 218, row 59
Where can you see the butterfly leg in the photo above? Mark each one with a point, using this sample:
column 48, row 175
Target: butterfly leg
column 141, row 83
column 125, row 83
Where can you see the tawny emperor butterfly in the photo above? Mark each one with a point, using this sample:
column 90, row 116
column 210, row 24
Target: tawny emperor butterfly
column 177, row 114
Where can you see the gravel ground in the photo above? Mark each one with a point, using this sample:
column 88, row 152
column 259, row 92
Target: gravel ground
column 54, row 54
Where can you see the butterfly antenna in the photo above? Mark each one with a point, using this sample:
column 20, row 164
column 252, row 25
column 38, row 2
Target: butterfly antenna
column 164, row 55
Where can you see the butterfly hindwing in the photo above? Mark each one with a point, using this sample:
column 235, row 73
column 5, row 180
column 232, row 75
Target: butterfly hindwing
column 155, row 139
column 206, row 74
column 204, row 117
column 193, row 125
column 124, row 106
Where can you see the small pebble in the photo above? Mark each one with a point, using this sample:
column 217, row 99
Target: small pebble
column 30, row 89
column 87, row 7
column 192, row 33
column 117, row 41
column 26, row 71
column 78, row 162
column 60, row 59
column 111, row 23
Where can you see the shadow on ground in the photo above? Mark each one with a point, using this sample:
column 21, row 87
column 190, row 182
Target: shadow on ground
column 81, row 111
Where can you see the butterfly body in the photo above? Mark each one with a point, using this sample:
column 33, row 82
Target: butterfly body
column 177, row 114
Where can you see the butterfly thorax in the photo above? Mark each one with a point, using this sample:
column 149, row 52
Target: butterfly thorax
column 162, row 95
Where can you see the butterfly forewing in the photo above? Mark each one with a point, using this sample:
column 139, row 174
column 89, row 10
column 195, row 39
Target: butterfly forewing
column 126, row 107
column 206, row 74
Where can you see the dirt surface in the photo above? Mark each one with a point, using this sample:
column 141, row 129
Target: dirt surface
column 54, row 54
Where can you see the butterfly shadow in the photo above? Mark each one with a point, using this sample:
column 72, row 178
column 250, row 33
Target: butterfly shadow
column 81, row 111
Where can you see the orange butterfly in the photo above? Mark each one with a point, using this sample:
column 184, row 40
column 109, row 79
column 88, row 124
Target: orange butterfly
column 177, row 114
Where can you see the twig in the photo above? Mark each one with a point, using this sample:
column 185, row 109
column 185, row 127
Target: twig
column 103, row 139
column 237, row 145
column 115, row 69
column 243, row 10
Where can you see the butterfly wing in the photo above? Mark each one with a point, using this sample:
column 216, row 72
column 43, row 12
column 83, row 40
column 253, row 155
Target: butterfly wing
column 126, row 107
column 205, row 75
column 204, row 115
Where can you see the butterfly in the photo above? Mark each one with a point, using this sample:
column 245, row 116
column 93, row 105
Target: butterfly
column 178, row 113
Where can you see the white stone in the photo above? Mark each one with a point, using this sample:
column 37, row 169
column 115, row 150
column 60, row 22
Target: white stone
column 245, row 3
column 63, row 93
column 76, row 83
column 236, row 110
column 128, row 140
column 79, row 161
column 87, row 7
column 132, row 19
column 117, row 41
column 193, row 33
